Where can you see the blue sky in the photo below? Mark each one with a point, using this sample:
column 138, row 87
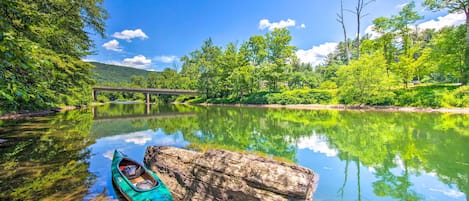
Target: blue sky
column 154, row 34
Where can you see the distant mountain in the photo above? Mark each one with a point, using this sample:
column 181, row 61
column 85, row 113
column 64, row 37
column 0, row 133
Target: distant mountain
column 105, row 73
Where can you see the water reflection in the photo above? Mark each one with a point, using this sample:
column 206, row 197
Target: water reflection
column 46, row 157
column 359, row 155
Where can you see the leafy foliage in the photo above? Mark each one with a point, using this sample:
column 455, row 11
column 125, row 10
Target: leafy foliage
column 364, row 81
column 37, row 72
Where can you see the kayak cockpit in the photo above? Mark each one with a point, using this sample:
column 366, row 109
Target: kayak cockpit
column 140, row 178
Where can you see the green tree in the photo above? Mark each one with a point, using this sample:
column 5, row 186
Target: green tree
column 279, row 56
column 257, row 50
column 38, row 72
column 208, row 68
column 447, row 53
column 153, row 79
column 138, row 81
column 364, row 81
column 455, row 6
column 407, row 16
column 383, row 25
column 228, row 64
column 190, row 70
column 242, row 78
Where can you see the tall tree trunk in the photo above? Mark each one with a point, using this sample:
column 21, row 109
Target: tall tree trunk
column 358, row 29
column 341, row 190
column 361, row 4
column 340, row 19
column 465, row 72
column 358, row 180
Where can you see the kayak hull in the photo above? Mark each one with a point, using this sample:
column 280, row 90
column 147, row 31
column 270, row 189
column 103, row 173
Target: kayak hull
column 128, row 184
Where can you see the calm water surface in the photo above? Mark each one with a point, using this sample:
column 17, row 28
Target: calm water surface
column 359, row 155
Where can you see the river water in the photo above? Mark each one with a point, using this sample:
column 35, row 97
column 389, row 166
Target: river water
column 358, row 155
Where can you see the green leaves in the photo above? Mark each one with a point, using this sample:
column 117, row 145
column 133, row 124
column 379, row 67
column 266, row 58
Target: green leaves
column 364, row 81
column 41, row 46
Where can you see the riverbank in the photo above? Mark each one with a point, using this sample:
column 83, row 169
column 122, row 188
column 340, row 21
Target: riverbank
column 56, row 110
column 348, row 107
column 295, row 106
column 37, row 113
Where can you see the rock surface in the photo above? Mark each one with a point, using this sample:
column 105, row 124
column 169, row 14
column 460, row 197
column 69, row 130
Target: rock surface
column 226, row 175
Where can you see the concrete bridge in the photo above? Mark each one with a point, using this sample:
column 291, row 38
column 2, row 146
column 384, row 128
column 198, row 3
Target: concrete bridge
column 146, row 91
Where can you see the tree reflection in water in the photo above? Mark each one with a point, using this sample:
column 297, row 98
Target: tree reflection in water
column 45, row 157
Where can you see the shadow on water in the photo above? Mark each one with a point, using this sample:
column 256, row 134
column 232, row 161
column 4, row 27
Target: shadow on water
column 45, row 157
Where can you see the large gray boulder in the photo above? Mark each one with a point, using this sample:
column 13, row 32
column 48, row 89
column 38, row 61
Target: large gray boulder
column 226, row 175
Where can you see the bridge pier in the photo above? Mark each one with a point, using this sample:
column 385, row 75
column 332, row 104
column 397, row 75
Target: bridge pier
column 147, row 111
column 95, row 95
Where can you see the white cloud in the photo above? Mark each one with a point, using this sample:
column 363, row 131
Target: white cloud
column 443, row 21
column 449, row 192
column 139, row 138
column 316, row 54
column 88, row 60
column 451, row 19
column 109, row 154
column 130, row 34
column 302, row 26
column 113, row 45
column 317, row 144
column 166, row 59
column 266, row 24
column 138, row 61
column 370, row 30
column 401, row 6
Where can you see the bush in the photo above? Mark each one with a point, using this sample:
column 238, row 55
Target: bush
column 223, row 100
column 381, row 98
column 255, row 98
column 302, row 96
column 328, row 85
column 458, row 97
column 426, row 96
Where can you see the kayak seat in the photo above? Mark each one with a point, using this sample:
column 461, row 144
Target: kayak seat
column 144, row 185
column 133, row 171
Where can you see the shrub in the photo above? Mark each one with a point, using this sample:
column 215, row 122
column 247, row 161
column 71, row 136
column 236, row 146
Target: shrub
column 255, row 98
column 328, row 85
column 301, row 96
column 458, row 97
column 428, row 96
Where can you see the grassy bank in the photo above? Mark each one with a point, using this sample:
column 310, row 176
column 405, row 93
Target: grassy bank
column 434, row 96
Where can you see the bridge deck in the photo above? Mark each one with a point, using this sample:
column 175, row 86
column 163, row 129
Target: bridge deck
column 147, row 90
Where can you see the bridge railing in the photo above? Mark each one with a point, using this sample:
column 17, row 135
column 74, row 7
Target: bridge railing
column 147, row 91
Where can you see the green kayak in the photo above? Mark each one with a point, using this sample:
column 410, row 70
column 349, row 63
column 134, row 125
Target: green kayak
column 135, row 182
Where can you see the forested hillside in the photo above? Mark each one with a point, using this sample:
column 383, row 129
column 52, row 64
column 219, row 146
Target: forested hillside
column 106, row 73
